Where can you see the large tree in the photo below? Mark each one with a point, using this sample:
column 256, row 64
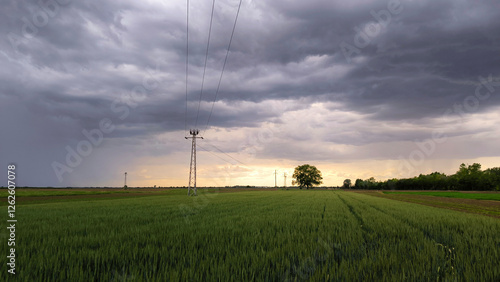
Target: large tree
column 347, row 183
column 470, row 177
column 306, row 176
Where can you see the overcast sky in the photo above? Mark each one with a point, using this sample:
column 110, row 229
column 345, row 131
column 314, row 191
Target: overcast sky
column 361, row 88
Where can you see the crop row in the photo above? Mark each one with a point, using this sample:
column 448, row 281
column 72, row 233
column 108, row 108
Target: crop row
column 278, row 235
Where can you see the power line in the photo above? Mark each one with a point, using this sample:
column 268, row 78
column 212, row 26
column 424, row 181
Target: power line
column 225, row 153
column 224, row 65
column 206, row 59
column 195, row 132
column 187, row 64
column 208, row 151
column 222, row 153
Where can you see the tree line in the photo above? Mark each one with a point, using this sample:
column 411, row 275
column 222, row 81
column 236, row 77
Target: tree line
column 468, row 177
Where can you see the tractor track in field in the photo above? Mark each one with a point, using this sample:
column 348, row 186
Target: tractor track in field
column 370, row 243
column 425, row 232
column 356, row 215
column 448, row 245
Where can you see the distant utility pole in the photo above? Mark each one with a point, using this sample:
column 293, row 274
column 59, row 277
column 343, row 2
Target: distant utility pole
column 275, row 179
column 284, row 175
column 125, row 184
column 192, row 166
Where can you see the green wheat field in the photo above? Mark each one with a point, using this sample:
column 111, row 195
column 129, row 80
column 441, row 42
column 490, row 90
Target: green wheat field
column 293, row 235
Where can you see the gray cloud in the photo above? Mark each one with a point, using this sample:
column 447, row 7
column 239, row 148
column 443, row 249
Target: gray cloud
column 85, row 62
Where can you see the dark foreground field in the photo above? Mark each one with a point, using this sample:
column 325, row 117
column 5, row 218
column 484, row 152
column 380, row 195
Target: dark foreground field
column 161, row 235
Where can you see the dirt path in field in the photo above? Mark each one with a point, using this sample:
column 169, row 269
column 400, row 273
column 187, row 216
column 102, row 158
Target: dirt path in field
column 232, row 190
column 483, row 207
column 107, row 193
column 99, row 194
column 64, row 198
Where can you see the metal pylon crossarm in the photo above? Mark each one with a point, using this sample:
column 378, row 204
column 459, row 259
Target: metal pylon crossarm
column 192, row 166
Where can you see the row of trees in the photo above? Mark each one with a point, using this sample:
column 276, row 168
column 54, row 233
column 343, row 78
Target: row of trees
column 469, row 177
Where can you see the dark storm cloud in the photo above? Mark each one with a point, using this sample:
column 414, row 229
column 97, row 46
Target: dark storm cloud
column 429, row 57
column 74, row 63
column 404, row 66
column 409, row 65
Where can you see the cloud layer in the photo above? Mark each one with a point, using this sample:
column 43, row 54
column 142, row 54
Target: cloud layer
column 317, row 81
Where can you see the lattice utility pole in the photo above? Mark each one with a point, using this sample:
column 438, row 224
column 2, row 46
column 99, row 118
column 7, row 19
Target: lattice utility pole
column 275, row 178
column 192, row 167
column 125, row 185
column 284, row 175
